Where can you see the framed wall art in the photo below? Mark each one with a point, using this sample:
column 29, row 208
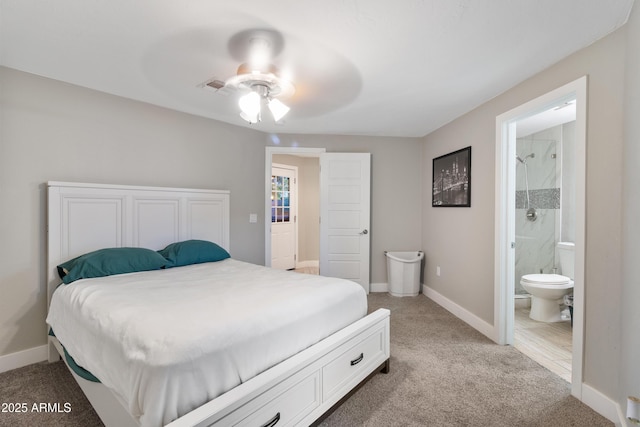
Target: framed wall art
column 451, row 186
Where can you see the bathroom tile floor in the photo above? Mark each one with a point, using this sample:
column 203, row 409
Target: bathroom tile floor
column 549, row 344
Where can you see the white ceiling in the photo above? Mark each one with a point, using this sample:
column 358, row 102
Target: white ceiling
column 363, row 67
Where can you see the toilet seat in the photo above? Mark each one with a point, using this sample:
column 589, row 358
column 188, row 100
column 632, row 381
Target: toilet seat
column 546, row 279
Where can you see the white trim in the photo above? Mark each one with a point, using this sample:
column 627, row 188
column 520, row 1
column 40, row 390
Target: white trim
column 581, row 241
column 379, row 287
column 127, row 187
column 384, row 287
column 460, row 312
column 19, row 359
column 504, row 229
column 603, row 405
column 505, row 232
column 269, row 152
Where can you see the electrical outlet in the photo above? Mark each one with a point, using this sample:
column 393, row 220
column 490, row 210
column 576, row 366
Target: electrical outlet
column 438, row 271
column 253, row 218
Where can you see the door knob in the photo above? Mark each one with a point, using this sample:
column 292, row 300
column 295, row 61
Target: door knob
column 365, row 231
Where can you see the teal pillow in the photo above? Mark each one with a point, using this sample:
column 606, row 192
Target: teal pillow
column 106, row 262
column 192, row 252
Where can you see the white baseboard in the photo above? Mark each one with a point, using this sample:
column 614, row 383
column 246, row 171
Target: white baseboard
column 382, row 287
column 474, row 321
column 22, row 358
column 308, row 264
column 603, row 405
column 379, row 287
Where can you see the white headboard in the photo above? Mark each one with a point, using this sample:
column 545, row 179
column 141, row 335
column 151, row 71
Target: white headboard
column 85, row 217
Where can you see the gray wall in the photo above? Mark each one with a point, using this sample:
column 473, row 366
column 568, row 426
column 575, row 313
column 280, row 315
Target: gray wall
column 629, row 311
column 461, row 240
column 52, row 131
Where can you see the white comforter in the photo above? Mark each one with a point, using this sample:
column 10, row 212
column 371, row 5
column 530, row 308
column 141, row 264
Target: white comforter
column 168, row 341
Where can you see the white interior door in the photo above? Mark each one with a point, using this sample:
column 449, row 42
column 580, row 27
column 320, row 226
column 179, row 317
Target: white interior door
column 283, row 216
column 345, row 185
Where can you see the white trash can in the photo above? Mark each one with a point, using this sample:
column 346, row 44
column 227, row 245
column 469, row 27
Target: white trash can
column 403, row 272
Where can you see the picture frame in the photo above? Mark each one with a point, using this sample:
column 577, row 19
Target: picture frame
column 451, row 180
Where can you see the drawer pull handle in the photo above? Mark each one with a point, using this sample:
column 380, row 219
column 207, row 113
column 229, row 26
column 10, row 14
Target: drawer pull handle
column 357, row 359
column 273, row 421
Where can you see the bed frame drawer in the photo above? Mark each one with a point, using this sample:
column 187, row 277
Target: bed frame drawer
column 352, row 362
column 285, row 404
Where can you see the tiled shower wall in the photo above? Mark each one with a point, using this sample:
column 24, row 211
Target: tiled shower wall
column 551, row 179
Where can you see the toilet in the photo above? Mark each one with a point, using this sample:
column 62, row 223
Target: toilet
column 547, row 290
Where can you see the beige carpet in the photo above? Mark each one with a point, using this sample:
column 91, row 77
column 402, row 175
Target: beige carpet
column 443, row 373
column 45, row 383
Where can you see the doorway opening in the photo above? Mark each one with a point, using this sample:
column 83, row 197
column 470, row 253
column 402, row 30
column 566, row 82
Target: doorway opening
column 517, row 216
column 344, row 211
column 545, row 236
column 305, row 219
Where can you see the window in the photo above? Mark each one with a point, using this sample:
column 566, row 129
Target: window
column 280, row 199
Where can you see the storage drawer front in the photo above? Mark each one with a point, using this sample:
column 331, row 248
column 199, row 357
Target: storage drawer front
column 289, row 407
column 352, row 362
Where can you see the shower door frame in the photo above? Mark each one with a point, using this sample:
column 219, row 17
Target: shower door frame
column 505, row 218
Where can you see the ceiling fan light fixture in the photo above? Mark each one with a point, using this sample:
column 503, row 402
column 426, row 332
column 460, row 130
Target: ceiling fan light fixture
column 250, row 107
column 248, row 78
column 251, row 103
column 260, row 80
column 278, row 109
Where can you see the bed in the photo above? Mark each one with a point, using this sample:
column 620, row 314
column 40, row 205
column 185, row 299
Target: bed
column 297, row 378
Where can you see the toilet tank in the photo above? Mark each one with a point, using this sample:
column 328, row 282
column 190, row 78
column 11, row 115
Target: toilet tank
column 567, row 258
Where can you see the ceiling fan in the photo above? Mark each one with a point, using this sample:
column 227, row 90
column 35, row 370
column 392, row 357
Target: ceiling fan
column 262, row 82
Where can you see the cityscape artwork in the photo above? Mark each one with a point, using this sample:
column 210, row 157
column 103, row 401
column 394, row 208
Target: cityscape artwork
column 452, row 179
